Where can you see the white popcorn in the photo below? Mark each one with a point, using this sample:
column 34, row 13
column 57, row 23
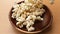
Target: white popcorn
column 28, row 18
column 29, row 4
column 21, row 25
column 21, row 19
column 31, row 29
column 13, row 15
column 26, row 13
column 23, row 15
column 18, row 14
column 39, row 18
column 14, row 9
column 18, row 23
column 30, row 1
column 42, row 19
column 26, row 1
column 31, row 17
column 21, row 11
column 24, row 23
column 15, row 6
column 38, row 12
column 24, row 6
column 29, row 23
column 51, row 1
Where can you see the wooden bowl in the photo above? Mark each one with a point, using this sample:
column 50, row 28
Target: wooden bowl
column 39, row 25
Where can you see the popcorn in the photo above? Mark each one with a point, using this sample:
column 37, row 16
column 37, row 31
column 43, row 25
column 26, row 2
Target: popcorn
column 31, row 17
column 29, row 4
column 26, row 13
column 29, row 23
column 42, row 19
column 51, row 1
column 38, row 12
column 13, row 15
column 28, row 18
column 15, row 6
column 23, row 15
column 31, row 1
column 21, row 19
column 39, row 18
column 21, row 25
column 17, row 15
column 31, row 29
column 14, row 9
column 24, row 23
column 18, row 23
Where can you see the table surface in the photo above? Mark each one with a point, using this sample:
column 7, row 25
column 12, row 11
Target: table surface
column 6, row 27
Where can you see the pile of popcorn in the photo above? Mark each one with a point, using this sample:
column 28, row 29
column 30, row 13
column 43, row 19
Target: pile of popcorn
column 26, row 13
